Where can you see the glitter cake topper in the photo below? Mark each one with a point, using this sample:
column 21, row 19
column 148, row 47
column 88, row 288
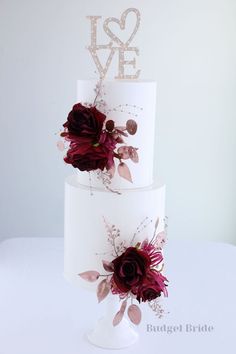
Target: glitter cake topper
column 115, row 44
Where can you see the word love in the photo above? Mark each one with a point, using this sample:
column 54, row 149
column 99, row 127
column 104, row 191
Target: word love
column 116, row 45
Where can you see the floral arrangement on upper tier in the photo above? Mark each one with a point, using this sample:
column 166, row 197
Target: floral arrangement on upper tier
column 135, row 273
column 95, row 141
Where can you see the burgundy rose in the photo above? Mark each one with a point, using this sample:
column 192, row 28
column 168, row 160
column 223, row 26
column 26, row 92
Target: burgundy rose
column 148, row 291
column 88, row 157
column 130, row 269
column 152, row 287
column 84, row 122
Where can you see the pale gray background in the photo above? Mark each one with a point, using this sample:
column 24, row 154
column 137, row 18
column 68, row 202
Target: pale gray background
column 187, row 46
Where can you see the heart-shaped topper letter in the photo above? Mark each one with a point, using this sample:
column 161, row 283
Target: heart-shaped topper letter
column 122, row 25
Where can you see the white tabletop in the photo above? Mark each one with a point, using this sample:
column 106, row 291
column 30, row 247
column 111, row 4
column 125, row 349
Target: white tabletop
column 40, row 313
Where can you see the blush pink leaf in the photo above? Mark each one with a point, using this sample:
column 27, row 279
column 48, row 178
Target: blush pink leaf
column 133, row 154
column 124, row 172
column 103, row 290
column 131, row 126
column 123, row 152
column 119, row 315
column 134, row 314
column 108, row 266
column 91, row 275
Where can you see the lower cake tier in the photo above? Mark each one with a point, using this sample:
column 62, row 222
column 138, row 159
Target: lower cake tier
column 98, row 221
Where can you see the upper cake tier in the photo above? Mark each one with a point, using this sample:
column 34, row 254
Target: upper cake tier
column 126, row 101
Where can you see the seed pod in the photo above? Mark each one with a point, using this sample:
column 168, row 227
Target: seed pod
column 110, row 125
column 131, row 126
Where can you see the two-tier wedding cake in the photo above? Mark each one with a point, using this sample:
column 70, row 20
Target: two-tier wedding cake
column 125, row 198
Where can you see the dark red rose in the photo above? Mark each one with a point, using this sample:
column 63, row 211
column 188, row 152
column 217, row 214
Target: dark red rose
column 84, row 122
column 130, row 269
column 152, row 287
column 88, row 157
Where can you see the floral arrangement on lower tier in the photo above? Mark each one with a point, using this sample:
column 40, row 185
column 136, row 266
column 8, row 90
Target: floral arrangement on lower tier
column 134, row 274
column 95, row 141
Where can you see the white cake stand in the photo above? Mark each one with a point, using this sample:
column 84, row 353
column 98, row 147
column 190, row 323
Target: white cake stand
column 105, row 335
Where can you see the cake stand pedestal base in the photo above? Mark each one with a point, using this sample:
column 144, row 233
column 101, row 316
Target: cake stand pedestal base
column 105, row 335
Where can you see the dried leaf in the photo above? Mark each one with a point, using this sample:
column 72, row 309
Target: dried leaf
column 131, row 126
column 119, row 315
column 124, row 152
column 118, row 318
column 103, row 290
column 91, row 275
column 134, row 314
column 108, row 266
column 124, row 172
column 133, row 154
column 123, row 306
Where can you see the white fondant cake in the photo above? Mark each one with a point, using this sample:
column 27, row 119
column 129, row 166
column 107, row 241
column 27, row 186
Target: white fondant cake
column 86, row 242
column 125, row 100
